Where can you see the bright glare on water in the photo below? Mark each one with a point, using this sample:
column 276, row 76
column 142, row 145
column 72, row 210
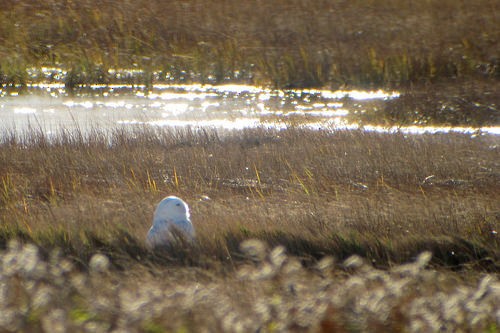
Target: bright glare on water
column 50, row 107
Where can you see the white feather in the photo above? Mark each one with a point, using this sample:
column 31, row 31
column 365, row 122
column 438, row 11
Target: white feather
column 171, row 213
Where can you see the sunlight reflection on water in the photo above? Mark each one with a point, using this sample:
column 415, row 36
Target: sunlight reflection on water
column 48, row 106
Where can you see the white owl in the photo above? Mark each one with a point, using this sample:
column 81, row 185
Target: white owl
column 172, row 212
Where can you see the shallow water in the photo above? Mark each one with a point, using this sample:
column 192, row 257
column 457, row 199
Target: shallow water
column 49, row 107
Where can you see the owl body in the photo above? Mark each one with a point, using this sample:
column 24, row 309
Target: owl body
column 171, row 213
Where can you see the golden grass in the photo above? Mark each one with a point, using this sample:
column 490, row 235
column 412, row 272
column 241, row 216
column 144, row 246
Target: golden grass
column 314, row 198
column 284, row 43
column 316, row 186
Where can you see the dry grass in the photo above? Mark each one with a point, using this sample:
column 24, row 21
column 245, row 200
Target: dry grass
column 319, row 194
column 289, row 43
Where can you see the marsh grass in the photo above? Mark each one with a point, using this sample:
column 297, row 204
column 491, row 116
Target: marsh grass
column 283, row 43
column 75, row 208
column 311, row 189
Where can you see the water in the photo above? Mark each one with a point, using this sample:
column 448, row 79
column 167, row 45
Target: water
column 50, row 107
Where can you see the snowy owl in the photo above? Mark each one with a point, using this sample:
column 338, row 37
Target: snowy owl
column 172, row 212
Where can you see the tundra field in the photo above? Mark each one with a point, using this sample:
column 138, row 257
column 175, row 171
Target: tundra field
column 297, row 230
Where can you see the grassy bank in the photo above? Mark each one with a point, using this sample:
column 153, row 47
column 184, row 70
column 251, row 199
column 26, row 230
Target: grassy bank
column 289, row 43
column 313, row 199
column 320, row 189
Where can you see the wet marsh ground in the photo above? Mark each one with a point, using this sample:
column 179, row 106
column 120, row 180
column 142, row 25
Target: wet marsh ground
column 297, row 230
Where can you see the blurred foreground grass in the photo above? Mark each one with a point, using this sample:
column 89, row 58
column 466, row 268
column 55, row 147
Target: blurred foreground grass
column 75, row 208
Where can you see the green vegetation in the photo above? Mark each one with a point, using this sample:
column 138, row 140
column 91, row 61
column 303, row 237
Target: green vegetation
column 310, row 200
column 290, row 43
